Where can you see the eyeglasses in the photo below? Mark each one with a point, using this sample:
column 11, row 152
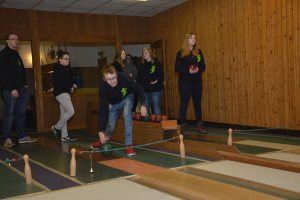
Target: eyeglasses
column 111, row 79
column 14, row 39
column 66, row 58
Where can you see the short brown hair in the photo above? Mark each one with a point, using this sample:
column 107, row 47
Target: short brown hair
column 7, row 35
column 108, row 69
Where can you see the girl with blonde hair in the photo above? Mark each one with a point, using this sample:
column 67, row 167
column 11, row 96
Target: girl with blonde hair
column 190, row 64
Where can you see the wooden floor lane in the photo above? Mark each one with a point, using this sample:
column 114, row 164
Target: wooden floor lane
column 262, row 161
column 190, row 186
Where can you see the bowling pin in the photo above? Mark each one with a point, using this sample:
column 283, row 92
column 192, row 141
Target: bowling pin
column 181, row 146
column 229, row 141
column 27, row 170
column 73, row 163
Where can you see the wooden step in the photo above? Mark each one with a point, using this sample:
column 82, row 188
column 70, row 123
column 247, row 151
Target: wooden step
column 261, row 161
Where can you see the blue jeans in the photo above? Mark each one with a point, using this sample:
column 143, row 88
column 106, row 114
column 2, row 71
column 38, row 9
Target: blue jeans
column 114, row 111
column 14, row 111
column 153, row 98
column 186, row 90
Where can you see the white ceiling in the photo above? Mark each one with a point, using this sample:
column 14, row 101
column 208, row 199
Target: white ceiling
column 107, row 7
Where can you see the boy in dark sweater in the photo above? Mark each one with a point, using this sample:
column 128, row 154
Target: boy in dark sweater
column 116, row 94
column 63, row 87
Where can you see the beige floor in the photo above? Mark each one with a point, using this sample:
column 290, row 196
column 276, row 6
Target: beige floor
column 269, row 176
column 282, row 156
column 114, row 189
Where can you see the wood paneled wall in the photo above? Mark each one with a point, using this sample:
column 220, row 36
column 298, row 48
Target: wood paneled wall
column 69, row 27
column 251, row 50
column 12, row 20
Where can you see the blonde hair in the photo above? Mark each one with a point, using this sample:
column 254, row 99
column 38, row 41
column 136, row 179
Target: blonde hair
column 186, row 48
column 118, row 57
column 152, row 56
column 108, row 69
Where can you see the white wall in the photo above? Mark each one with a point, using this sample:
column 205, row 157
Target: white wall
column 136, row 49
column 109, row 52
column 80, row 55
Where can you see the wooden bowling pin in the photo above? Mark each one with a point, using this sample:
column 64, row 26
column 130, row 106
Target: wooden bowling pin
column 73, row 163
column 181, row 146
column 27, row 169
column 229, row 141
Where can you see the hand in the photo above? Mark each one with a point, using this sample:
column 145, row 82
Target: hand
column 130, row 74
column 14, row 93
column 72, row 89
column 194, row 71
column 143, row 111
column 103, row 138
column 74, row 86
column 50, row 90
column 154, row 82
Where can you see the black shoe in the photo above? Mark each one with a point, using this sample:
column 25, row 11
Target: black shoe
column 68, row 138
column 57, row 133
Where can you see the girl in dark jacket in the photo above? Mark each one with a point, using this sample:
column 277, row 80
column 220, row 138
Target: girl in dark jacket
column 151, row 77
column 190, row 64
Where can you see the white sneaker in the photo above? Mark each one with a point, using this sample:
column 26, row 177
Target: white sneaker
column 68, row 138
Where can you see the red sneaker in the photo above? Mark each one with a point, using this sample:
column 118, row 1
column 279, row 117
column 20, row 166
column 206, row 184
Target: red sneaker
column 96, row 145
column 129, row 150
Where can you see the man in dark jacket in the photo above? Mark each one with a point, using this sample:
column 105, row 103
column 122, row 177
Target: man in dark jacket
column 116, row 94
column 14, row 88
column 63, row 86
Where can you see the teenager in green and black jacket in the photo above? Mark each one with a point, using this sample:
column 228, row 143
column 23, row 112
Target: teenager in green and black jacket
column 151, row 77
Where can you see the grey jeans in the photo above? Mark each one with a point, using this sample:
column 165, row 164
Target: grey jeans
column 66, row 112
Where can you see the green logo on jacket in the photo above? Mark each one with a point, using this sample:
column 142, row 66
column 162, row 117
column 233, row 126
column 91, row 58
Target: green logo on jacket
column 152, row 69
column 198, row 58
column 124, row 92
column 19, row 62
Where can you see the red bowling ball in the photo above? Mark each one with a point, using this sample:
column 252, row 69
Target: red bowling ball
column 192, row 67
column 152, row 118
column 157, row 119
column 137, row 117
column 164, row 118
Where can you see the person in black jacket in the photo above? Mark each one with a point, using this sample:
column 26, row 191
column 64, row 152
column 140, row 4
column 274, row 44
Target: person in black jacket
column 116, row 93
column 63, row 86
column 132, row 72
column 190, row 64
column 118, row 63
column 151, row 77
column 14, row 88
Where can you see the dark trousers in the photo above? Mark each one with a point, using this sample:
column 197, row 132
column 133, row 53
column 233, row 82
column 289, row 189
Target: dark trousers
column 14, row 111
column 186, row 90
column 135, row 102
